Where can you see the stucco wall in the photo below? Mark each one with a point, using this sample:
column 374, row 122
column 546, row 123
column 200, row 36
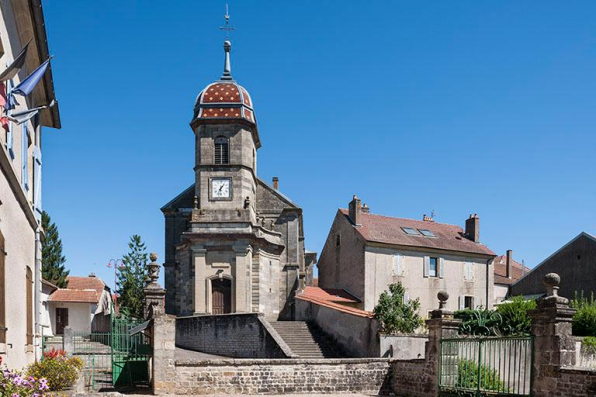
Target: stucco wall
column 79, row 315
column 500, row 292
column 45, row 321
column 357, row 335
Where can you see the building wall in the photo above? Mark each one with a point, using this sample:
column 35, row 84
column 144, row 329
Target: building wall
column 380, row 272
column 575, row 263
column 342, row 265
column 500, row 292
column 80, row 315
column 45, row 321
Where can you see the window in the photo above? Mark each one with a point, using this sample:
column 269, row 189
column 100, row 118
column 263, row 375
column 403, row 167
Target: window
column 398, row 265
column 426, row 232
column 466, row 302
column 433, row 267
column 25, row 157
column 337, row 240
column 222, row 153
column 29, row 300
column 2, row 293
column 411, row 231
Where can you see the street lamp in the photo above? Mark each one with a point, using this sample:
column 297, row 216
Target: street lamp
column 118, row 265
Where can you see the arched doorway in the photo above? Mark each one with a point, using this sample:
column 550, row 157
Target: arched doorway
column 221, row 296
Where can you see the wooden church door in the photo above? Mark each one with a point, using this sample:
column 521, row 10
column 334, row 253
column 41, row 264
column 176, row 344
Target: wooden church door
column 221, row 296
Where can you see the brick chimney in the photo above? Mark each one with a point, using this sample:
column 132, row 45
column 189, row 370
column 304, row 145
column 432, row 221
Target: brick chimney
column 473, row 228
column 354, row 210
column 509, row 262
column 365, row 209
column 276, row 183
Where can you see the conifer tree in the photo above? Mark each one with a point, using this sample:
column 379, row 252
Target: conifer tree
column 131, row 278
column 52, row 260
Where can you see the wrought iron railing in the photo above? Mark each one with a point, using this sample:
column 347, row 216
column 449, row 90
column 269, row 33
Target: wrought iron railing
column 486, row 366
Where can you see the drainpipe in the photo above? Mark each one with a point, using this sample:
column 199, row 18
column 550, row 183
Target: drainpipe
column 37, row 294
column 487, row 280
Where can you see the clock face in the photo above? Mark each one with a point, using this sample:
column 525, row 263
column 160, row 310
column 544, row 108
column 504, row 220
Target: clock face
column 220, row 188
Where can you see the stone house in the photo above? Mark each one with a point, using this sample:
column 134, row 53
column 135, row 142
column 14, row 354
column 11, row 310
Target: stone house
column 365, row 253
column 575, row 262
column 22, row 22
column 84, row 305
column 233, row 243
column 507, row 271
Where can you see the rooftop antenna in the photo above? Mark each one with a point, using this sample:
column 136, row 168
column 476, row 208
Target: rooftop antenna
column 433, row 214
column 227, row 74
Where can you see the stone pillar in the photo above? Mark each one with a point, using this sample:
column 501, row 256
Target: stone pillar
column 155, row 301
column 68, row 341
column 242, row 278
column 199, row 260
column 163, row 378
column 554, row 347
column 441, row 325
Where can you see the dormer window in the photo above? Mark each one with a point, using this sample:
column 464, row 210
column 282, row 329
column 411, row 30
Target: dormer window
column 222, row 153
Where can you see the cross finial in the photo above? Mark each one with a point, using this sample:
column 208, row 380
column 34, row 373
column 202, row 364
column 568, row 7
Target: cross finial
column 227, row 28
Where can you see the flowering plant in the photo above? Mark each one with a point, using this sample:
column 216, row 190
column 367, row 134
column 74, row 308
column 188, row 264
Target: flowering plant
column 15, row 384
column 60, row 370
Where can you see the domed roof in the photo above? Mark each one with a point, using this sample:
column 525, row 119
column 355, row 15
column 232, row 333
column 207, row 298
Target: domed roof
column 224, row 99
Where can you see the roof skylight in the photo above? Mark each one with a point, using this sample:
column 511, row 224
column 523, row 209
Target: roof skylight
column 411, row 231
column 426, row 232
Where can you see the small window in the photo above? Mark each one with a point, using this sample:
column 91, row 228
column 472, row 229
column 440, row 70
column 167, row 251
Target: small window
column 222, row 153
column 432, row 270
column 337, row 240
column 411, row 231
column 426, row 232
column 469, row 302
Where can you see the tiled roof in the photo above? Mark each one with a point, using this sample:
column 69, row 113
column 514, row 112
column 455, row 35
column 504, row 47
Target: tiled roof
column 330, row 295
column 224, row 100
column 388, row 230
column 500, row 270
column 336, row 306
column 79, row 289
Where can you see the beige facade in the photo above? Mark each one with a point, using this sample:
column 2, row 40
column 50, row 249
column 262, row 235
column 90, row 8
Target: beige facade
column 20, row 188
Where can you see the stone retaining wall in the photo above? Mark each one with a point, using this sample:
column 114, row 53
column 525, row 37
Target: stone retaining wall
column 298, row 376
column 411, row 378
column 576, row 382
column 246, row 335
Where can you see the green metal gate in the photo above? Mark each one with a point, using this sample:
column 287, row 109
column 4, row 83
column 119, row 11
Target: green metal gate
column 130, row 353
column 491, row 366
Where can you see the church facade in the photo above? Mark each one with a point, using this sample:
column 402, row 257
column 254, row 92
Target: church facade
column 234, row 244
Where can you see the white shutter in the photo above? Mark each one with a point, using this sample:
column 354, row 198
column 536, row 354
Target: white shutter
column 462, row 302
column 426, row 266
column 406, row 298
column 441, row 273
column 474, row 302
column 398, row 264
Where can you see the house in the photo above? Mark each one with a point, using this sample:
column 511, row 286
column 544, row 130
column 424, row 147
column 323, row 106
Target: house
column 22, row 22
column 84, row 305
column 507, row 271
column 364, row 253
column 575, row 262
column 45, row 322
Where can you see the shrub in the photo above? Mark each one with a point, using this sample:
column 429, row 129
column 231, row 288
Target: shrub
column 515, row 317
column 589, row 345
column 394, row 314
column 60, row 371
column 479, row 322
column 467, row 376
column 16, row 384
column 584, row 320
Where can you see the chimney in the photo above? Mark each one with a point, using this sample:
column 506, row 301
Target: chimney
column 509, row 260
column 92, row 275
column 354, row 210
column 276, row 183
column 365, row 209
column 427, row 218
column 473, row 228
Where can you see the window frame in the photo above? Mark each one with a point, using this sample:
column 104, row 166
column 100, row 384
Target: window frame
column 221, row 148
column 430, row 266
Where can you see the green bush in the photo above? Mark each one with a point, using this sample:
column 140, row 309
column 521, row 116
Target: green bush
column 479, row 322
column 589, row 345
column 60, row 371
column 467, row 376
column 584, row 320
column 394, row 314
column 515, row 316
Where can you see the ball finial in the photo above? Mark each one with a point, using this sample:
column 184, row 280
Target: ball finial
column 153, row 256
column 552, row 281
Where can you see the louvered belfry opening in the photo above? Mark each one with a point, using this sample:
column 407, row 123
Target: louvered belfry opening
column 222, row 154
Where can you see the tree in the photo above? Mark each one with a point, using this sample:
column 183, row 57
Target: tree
column 52, row 260
column 131, row 278
column 396, row 315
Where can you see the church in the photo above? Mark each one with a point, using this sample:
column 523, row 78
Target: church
column 233, row 243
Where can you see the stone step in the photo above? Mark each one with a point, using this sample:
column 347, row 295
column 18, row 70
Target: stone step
column 306, row 340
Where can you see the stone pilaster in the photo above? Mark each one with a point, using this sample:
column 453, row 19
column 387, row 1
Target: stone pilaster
column 242, row 278
column 441, row 325
column 155, row 296
column 164, row 379
column 68, row 341
column 554, row 347
column 199, row 260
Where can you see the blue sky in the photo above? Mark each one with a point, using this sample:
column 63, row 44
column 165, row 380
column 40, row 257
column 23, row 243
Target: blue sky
column 457, row 107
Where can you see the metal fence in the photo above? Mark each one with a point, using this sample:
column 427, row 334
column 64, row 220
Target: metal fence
column 494, row 366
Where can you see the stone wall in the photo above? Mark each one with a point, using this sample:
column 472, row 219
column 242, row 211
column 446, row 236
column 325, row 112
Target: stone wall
column 576, row 382
column 366, row 376
column 402, row 347
column 411, row 378
column 246, row 335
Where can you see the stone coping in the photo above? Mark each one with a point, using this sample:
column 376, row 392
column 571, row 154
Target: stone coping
column 403, row 335
column 281, row 361
column 578, row 370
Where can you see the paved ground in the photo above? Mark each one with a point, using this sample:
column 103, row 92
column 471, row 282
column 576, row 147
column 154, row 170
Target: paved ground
column 183, row 354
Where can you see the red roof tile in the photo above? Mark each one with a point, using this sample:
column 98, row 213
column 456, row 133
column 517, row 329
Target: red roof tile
column 330, row 295
column 73, row 295
column 336, row 306
column 500, row 270
column 94, row 283
column 388, row 230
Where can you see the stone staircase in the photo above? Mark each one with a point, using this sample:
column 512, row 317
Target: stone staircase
column 306, row 340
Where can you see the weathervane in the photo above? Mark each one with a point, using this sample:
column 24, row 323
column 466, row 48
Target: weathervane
column 227, row 28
